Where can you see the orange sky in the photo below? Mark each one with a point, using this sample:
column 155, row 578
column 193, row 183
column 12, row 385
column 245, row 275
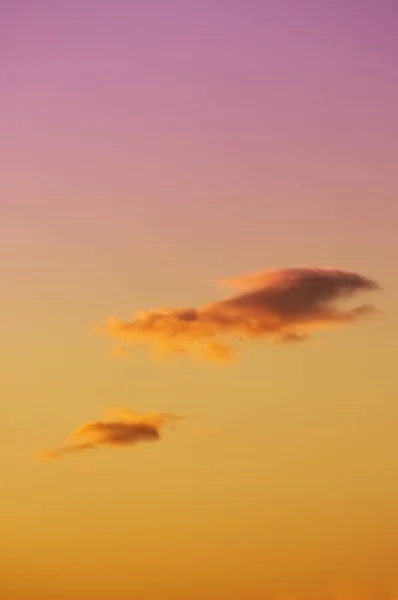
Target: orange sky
column 149, row 151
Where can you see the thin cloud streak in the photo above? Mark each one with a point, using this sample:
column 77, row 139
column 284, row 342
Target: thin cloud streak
column 281, row 305
column 120, row 429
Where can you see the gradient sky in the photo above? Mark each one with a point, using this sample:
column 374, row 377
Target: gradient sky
column 146, row 148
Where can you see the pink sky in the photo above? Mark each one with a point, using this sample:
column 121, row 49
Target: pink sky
column 147, row 147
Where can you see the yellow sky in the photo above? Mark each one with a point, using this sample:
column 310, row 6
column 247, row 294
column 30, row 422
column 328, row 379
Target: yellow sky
column 297, row 489
column 149, row 149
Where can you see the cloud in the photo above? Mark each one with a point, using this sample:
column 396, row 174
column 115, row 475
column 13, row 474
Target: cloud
column 282, row 305
column 120, row 429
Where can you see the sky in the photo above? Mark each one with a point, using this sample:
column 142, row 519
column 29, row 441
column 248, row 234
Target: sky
column 154, row 155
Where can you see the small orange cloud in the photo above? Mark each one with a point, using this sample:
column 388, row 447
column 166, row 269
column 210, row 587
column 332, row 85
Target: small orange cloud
column 122, row 428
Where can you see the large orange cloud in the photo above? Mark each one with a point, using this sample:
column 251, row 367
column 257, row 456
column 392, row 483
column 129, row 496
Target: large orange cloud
column 281, row 304
column 122, row 428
